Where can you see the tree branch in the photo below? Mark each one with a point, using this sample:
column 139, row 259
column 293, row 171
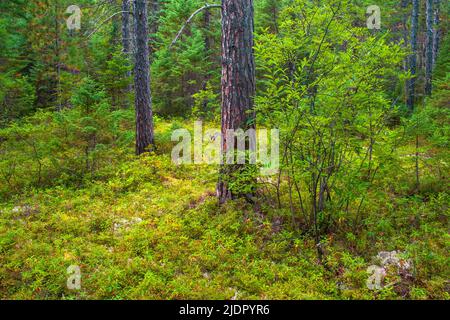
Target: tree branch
column 188, row 21
column 106, row 20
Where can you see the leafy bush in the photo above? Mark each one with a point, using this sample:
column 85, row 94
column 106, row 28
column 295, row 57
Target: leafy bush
column 326, row 88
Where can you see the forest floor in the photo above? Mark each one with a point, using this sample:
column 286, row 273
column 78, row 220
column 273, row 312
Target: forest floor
column 153, row 230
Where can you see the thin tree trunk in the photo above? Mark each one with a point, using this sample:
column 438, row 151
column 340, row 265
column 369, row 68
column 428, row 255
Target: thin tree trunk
column 429, row 47
column 126, row 27
column 404, row 31
column 116, row 93
column 208, row 45
column 417, row 168
column 143, row 99
column 238, row 82
column 153, row 25
column 274, row 11
column 437, row 31
column 58, row 58
column 207, row 26
column 126, row 47
column 413, row 57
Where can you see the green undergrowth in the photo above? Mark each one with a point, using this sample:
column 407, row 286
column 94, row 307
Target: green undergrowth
column 144, row 228
column 155, row 231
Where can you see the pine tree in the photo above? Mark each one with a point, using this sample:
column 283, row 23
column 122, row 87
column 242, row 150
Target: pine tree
column 238, row 83
column 143, row 98
column 181, row 71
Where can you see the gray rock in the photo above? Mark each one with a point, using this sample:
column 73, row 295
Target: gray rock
column 393, row 258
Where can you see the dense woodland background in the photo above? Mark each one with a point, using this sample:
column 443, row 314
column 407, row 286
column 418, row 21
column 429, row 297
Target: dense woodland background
column 86, row 178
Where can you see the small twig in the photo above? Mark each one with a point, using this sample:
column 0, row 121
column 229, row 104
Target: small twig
column 188, row 21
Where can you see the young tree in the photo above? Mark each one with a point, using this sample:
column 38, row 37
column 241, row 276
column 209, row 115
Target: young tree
column 183, row 66
column 238, row 82
column 143, row 98
column 331, row 153
column 17, row 89
column 267, row 12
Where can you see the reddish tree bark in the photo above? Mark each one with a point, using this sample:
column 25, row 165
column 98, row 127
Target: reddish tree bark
column 238, row 81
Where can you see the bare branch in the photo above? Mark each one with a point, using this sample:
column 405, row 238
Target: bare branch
column 188, row 21
column 106, row 20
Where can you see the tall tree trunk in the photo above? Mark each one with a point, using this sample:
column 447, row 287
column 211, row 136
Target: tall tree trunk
column 437, row 31
column 238, row 82
column 429, row 47
column 413, row 57
column 126, row 47
column 143, row 99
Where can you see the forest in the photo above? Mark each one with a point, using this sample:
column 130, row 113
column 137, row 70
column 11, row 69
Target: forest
column 224, row 150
